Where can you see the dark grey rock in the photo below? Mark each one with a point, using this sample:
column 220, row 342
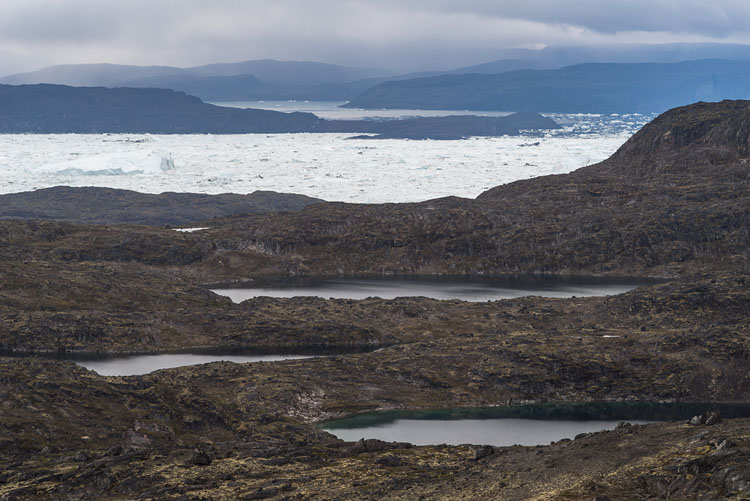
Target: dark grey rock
column 136, row 440
column 485, row 451
column 712, row 418
column 369, row 445
column 114, row 450
column 709, row 419
column 263, row 493
column 200, row 458
column 389, row 461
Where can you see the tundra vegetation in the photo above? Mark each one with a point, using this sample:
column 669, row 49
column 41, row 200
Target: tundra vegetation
column 673, row 202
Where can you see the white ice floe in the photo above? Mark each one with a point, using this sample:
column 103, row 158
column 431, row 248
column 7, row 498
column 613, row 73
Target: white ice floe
column 189, row 230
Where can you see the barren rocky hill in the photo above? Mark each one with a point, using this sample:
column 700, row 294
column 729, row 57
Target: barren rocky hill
column 675, row 196
column 107, row 205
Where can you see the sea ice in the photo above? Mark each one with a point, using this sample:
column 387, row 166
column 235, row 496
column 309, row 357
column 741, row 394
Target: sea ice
column 327, row 166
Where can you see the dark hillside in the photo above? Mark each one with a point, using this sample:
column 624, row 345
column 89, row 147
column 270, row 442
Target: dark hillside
column 52, row 109
column 676, row 196
column 107, row 205
column 584, row 88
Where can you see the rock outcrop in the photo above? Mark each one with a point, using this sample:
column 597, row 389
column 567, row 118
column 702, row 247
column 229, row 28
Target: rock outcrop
column 112, row 206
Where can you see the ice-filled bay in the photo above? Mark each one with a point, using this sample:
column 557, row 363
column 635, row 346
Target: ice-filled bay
column 328, row 166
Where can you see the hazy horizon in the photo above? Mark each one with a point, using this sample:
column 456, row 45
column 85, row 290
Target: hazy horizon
column 386, row 35
column 505, row 54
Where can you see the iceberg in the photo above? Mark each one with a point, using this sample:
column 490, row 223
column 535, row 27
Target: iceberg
column 167, row 163
column 99, row 172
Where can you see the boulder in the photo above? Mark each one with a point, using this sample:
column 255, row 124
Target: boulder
column 389, row 461
column 369, row 445
column 200, row 458
column 485, row 451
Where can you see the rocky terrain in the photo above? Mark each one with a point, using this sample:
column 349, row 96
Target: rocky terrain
column 672, row 202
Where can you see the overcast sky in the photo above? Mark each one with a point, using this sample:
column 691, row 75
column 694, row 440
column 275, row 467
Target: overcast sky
column 402, row 34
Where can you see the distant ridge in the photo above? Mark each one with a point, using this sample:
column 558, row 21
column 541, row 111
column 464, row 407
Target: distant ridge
column 267, row 70
column 264, row 79
column 269, row 79
column 107, row 205
column 584, row 88
column 88, row 75
column 60, row 109
column 244, row 88
column 53, row 109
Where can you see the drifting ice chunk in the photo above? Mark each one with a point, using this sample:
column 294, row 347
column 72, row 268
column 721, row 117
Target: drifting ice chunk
column 99, row 172
column 167, row 163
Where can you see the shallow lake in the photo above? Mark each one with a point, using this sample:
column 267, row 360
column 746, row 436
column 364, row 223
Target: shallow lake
column 143, row 364
column 499, row 432
column 138, row 364
column 504, row 426
column 436, row 287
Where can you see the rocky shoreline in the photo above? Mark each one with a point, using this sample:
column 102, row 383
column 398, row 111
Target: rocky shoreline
column 673, row 202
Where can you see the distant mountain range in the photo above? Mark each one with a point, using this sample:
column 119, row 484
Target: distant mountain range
column 50, row 109
column 553, row 57
column 248, row 88
column 587, row 88
column 301, row 80
column 267, row 70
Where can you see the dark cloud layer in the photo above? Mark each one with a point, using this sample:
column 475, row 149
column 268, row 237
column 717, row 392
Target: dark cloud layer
column 714, row 18
column 397, row 33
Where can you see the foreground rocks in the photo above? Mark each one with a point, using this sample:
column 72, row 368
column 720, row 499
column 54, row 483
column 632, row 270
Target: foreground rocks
column 220, row 432
column 227, row 430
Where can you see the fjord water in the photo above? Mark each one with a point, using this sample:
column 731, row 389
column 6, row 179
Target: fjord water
column 476, row 289
column 537, row 424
